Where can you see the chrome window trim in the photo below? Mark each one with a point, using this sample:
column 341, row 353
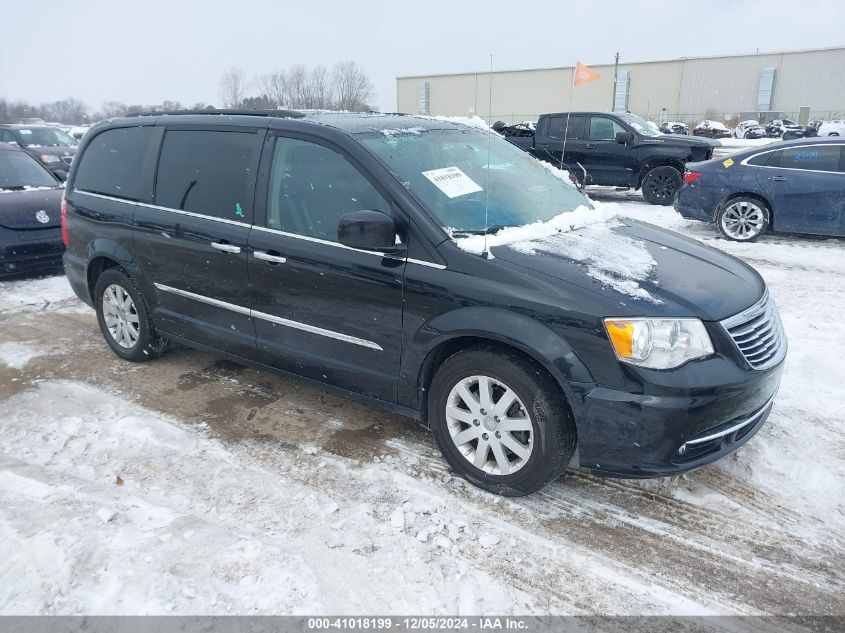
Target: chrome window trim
column 313, row 329
column 307, row 238
column 735, row 427
column 744, row 162
column 168, row 209
column 318, row 240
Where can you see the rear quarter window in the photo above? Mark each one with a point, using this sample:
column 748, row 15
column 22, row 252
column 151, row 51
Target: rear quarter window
column 112, row 163
column 812, row 157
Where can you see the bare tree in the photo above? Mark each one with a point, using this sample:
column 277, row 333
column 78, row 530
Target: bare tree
column 275, row 87
column 352, row 88
column 232, row 87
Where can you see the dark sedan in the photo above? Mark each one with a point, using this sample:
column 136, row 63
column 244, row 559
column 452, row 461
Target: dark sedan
column 30, row 215
column 50, row 146
column 792, row 187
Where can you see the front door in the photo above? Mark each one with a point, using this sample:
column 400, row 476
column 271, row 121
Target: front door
column 192, row 241
column 805, row 185
column 608, row 162
column 567, row 135
column 322, row 310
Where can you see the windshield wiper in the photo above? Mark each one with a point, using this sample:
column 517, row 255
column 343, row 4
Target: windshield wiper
column 490, row 230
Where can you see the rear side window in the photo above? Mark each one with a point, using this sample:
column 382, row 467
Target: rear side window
column 577, row 126
column 814, row 157
column 207, row 172
column 112, row 163
column 762, row 160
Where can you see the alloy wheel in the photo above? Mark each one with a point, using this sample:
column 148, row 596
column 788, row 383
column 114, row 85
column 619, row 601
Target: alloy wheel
column 120, row 316
column 489, row 425
column 743, row 220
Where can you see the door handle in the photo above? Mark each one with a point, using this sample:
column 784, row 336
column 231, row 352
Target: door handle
column 778, row 178
column 588, row 146
column 226, row 248
column 269, row 257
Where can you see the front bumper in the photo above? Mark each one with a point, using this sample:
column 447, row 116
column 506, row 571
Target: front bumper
column 665, row 429
column 30, row 256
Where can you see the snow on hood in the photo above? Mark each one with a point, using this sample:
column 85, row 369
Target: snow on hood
column 586, row 236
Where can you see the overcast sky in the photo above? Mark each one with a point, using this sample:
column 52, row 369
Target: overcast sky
column 149, row 51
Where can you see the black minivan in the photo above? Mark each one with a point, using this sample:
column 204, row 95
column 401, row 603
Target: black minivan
column 431, row 268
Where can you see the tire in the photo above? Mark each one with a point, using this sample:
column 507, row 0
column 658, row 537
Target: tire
column 660, row 184
column 834, row 134
column 539, row 419
column 742, row 219
column 128, row 330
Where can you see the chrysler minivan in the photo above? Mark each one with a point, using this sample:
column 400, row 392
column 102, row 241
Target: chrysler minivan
column 431, row 268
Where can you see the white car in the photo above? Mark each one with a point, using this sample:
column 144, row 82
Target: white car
column 744, row 126
column 832, row 128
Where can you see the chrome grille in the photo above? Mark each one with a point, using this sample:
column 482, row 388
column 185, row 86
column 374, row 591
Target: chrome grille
column 758, row 334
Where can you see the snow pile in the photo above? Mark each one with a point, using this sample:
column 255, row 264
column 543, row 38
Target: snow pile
column 36, row 294
column 613, row 259
column 407, row 130
column 560, row 174
column 108, row 508
column 17, row 355
column 573, row 220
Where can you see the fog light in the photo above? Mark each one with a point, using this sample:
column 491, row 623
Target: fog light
column 682, row 450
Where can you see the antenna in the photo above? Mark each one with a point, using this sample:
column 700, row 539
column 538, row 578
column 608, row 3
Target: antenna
column 487, row 175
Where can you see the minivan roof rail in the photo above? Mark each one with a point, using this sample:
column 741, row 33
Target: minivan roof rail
column 280, row 113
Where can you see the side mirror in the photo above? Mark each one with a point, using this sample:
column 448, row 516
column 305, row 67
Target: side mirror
column 624, row 137
column 368, row 231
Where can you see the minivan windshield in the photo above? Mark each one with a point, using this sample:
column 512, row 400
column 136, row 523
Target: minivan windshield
column 447, row 171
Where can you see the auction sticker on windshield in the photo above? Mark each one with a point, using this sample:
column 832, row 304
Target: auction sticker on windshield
column 452, row 181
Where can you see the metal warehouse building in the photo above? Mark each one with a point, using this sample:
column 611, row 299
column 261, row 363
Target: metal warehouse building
column 806, row 84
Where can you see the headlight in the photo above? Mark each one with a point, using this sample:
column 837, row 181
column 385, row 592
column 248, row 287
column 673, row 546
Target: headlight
column 658, row 343
column 50, row 158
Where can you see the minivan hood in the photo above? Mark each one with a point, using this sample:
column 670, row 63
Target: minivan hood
column 27, row 210
column 684, row 278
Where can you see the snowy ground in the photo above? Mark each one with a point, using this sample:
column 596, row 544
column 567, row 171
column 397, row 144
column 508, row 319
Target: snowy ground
column 194, row 485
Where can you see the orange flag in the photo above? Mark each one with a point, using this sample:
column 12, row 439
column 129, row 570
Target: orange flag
column 584, row 74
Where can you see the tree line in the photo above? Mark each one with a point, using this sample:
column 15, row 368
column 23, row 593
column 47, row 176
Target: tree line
column 72, row 111
column 345, row 87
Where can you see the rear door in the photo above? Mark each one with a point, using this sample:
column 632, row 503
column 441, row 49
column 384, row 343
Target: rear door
column 805, row 185
column 191, row 238
column 323, row 310
column 608, row 162
column 567, row 134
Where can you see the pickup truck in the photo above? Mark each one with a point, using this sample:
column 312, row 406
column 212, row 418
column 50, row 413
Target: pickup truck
column 618, row 149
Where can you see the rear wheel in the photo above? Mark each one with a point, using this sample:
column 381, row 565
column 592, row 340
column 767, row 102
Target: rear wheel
column 500, row 421
column 660, row 185
column 123, row 318
column 742, row 219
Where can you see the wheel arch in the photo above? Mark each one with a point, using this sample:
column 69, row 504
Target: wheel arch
column 535, row 341
column 659, row 161
column 105, row 253
column 748, row 194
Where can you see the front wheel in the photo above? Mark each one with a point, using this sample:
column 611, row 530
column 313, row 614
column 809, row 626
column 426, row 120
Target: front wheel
column 500, row 420
column 660, row 185
column 742, row 219
column 123, row 318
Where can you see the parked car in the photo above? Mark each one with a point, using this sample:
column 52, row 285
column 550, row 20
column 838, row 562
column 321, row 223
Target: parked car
column 749, row 129
column 347, row 250
column 619, row 149
column 674, row 127
column 794, row 187
column 711, row 129
column 831, row 128
column 30, row 200
column 49, row 145
column 778, row 127
column 78, row 131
